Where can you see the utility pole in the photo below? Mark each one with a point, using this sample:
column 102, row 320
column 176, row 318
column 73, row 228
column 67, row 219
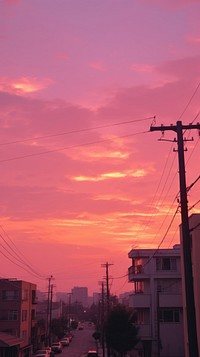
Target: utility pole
column 186, row 244
column 50, row 313
column 107, row 298
column 48, row 308
column 102, row 318
column 69, row 311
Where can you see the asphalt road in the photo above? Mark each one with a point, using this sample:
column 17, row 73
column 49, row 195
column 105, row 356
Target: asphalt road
column 80, row 344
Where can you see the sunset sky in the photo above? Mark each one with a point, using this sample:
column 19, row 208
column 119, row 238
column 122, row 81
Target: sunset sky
column 83, row 180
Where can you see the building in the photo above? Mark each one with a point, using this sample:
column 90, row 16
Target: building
column 79, row 295
column 62, row 296
column 157, row 300
column 18, row 312
column 96, row 298
column 194, row 225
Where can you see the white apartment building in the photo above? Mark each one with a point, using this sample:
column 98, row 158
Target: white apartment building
column 194, row 225
column 157, row 300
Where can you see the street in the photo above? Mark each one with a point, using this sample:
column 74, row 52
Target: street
column 81, row 343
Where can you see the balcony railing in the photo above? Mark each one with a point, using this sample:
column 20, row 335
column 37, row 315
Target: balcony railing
column 141, row 300
column 136, row 271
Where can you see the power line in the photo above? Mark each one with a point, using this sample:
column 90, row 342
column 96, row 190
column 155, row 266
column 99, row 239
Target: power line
column 17, row 257
column 23, row 259
column 70, row 147
column 76, row 131
column 190, row 100
column 19, row 265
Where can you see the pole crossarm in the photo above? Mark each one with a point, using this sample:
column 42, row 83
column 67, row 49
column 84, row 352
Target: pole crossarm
column 175, row 127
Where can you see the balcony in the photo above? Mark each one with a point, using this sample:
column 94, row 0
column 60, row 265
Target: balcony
column 141, row 300
column 145, row 331
column 137, row 273
column 170, row 300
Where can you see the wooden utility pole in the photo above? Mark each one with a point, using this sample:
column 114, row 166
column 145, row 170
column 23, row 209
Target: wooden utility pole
column 107, row 298
column 69, row 312
column 48, row 309
column 50, row 313
column 102, row 319
column 186, row 244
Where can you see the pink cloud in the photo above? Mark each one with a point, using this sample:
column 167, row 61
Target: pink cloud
column 23, row 85
column 98, row 66
column 139, row 67
column 62, row 56
column 11, row 2
column 193, row 39
column 109, row 212
column 171, row 4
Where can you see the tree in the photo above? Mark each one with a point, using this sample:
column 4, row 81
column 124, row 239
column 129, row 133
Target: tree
column 58, row 327
column 120, row 331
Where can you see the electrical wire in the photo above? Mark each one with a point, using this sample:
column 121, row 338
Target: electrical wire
column 162, row 240
column 20, row 265
column 23, row 258
column 70, row 147
column 17, row 257
column 190, row 100
column 76, row 131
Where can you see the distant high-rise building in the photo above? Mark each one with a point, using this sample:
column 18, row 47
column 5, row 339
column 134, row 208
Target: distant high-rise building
column 79, row 295
column 96, row 298
column 62, row 296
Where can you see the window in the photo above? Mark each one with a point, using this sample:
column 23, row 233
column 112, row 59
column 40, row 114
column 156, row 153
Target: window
column 139, row 287
column 25, row 294
column 24, row 315
column 10, row 295
column 142, row 316
column 13, row 315
column 34, row 299
column 3, row 315
column 166, row 264
column 169, row 315
column 32, row 314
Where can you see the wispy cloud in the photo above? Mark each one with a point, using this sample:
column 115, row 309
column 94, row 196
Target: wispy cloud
column 193, row 39
column 23, row 85
column 142, row 67
column 11, row 2
column 98, row 66
column 111, row 175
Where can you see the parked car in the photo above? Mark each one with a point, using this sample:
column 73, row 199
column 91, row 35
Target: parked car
column 56, row 347
column 69, row 336
column 92, row 354
column 65, row 341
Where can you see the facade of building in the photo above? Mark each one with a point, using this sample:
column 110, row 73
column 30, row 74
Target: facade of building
column 79, row 295
column 194, row 225
column 157, row 300
column 18, row 312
